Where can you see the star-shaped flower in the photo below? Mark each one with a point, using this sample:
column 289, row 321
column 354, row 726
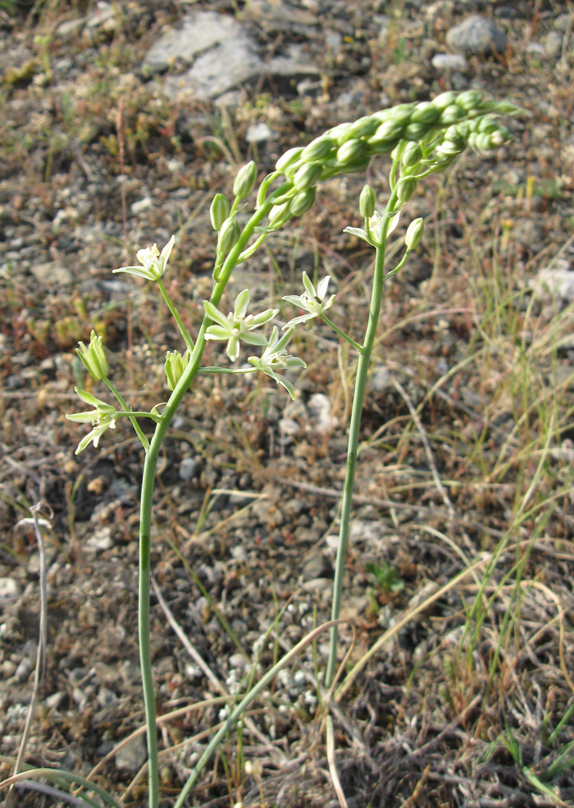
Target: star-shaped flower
column 237, row 326
column 275, row 357
column 153, row 262
column 313, row 300
column 102, row 418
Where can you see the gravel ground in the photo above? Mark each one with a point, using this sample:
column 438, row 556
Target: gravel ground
column 105, row 148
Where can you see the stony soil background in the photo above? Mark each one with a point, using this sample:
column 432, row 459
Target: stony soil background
column 118, row 124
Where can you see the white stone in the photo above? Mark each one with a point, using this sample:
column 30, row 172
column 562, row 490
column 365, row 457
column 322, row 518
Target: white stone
column 218, row 70
column 142, row 205
column 258, row 133
column 556, row 281
column 131, row 757
column 477, row 35
column 9, row 588
column 52, row 274
column 449, row 61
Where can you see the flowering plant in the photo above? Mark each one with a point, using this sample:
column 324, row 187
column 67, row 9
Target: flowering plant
column 422, row 139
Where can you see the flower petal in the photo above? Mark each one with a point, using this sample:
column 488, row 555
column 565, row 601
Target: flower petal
column 214, row 314
column 322, row 287
column 165, row 253
column 241, row 303
column 309, row 288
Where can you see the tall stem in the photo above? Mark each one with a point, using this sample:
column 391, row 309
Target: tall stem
column 148, row 483
column 353, row 442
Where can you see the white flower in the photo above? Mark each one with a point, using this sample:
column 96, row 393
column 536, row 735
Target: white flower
column 312, row 300
column 375, row 229
column 275, row 357
column 153, row 263
column 237, row 327
column 102, row 418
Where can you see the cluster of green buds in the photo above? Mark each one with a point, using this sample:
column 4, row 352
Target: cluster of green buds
column 429, row 134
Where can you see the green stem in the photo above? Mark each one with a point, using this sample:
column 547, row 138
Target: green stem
column 353, row 443
column 129, row 413
column 148, row 482
column 342, row 334
column 184, row 333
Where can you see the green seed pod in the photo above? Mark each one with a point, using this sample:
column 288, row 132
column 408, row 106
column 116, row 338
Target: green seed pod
column 303, row 202
column 278, row 212
column 384, row 146
column 350, row 151
column 364, row 127
column 405, row 189
column 451, row 147
column 414, row 233
column 425, row 112
column 416, row 131
column 452, row 114
column 228, row 236
column 307, row 176
column 290, row 158
column 219, row 211
column 474, row 112
column 386, row 133
column 367, row 202
column 401, row 114
column 245, row 180
column 444, row 100
column 502, row 107
column 469, row 99
column 500, row 137
column 318, row 149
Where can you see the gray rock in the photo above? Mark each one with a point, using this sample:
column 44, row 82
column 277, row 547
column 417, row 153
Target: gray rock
column 101, row 540
column 52, row 274
column 107, row 697
column 553, row 45
column 208, row 79
column 131, row 757
column 23, row 670
column 280, row 16
column 199, row 32
column 449, row 61
column 189, row 468
column 69, row 28
column 295, row 62
column 104, row 16
column 9, row 588
column 54, row 701
column 477, row 35
column 562, row 21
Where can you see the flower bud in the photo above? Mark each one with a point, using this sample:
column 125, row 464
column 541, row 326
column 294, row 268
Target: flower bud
column 412, row 154
column 94, row 358
column 487, row 125
column 364, row 127
column 307, row 176
column 357, row 166
column 318, row 149
column 388, row 132
column 416, row 131
column 175, row 364
column 350, row 151
column 245, row 180
column 444, row 100
column 425, row 112
column 290, row 158
column 228, row 236
column 469, row 99
column 219, row 211
column 405, row 189
column 278, row 212
column 367, row 202
column 401, row 114
column 303, row 202
column 340, row 133
column 452, row 114
column 414, row 233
